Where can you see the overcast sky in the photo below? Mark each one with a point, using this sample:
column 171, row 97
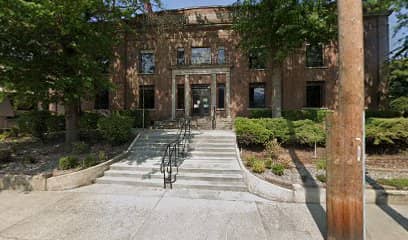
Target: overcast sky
column 174, row 4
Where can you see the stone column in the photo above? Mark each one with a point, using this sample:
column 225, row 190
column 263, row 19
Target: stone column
column 187, row 96
column 173, row 96
column 228, row 94
column 213, row 93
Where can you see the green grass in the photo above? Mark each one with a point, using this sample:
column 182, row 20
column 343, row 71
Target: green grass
column 399, row 183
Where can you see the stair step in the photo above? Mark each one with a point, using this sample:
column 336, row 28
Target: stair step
column 183, row 168
column 229, row 177
column 180, row 183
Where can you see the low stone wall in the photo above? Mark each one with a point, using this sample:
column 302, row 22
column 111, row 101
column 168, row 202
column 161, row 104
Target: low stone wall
column 387, row 173
column 62, row 182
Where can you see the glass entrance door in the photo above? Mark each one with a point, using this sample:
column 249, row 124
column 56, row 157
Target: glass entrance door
column 201, row 100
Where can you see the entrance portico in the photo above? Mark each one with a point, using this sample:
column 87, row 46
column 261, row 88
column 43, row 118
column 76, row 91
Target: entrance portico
column 199, row 98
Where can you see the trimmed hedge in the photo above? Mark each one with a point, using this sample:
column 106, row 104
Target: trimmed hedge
column 116, row 128
column 137, row 116
column 89, row 121
column 382, row 131
column 316, row 115
column 259, row 131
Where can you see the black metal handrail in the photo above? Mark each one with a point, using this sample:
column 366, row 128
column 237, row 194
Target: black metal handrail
column 173, row 152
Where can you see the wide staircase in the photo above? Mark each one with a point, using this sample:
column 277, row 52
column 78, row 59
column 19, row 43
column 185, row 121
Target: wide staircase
column 210, row 162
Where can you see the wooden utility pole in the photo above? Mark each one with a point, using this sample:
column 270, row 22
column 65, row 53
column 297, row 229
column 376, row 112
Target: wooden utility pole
column 345, row 186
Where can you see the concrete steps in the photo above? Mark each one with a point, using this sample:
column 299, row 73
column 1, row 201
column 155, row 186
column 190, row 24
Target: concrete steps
column 211, row 163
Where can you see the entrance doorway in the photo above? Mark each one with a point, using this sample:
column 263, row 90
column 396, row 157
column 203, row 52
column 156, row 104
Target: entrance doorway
column 201, row 97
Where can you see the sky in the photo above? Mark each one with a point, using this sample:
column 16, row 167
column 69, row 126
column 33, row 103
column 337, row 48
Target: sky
column 174, row 4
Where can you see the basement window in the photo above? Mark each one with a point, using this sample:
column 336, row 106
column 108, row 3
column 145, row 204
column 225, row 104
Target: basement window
column 315, row 94
column 146, row 97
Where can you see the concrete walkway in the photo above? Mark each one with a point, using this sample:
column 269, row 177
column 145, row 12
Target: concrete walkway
column 127, row 212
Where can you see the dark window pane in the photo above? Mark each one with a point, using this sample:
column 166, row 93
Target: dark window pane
column 257, row 59
column 146, row 97
column 180, row 56
column 315, row 94
column 102, row 100
column 257, row 96
column 314, row 55
column 201, row 55
column 221, row 55
column 220, row 95
column 147, row 64
column 180, row 97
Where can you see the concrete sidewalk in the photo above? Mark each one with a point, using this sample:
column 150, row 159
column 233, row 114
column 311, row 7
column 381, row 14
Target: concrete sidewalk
column 113, row 212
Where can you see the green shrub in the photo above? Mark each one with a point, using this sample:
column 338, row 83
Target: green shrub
column 307, row 132
column 278, row 127
column 387, row 131
column 278, row 169
column 258, row 166
column 80, row 147
column 68, row 162
column 273, row 149
column 260, row 113
column 400, row 105
column 250, row 132
column 249, row 161
column 268, row 163
column 321, row 164
column 321, row 177
column 34, row 122
column 89, row 121
column 102, row 156
column 316, row 115
column 399, row 183
column 382, row 114
column 116, row 128
column 89, row 161
column 137, row 117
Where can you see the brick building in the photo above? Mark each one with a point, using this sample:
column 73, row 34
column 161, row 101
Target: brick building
column 200, row 68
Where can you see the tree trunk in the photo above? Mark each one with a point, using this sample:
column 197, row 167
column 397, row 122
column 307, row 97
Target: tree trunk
column 276, row 90
column 71, row 122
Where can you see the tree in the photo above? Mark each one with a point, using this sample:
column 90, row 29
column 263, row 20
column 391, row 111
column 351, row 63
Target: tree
column 58, row 51
column 281, row 27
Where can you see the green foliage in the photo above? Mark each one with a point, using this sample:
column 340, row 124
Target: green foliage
column 278, row 169
column 89, row 121
column 316, row 115
column 102, row 156
column 249, row 161
column 260, row 113
column 251, row 132
column 80, row 147
column 273, row 149
column 278, row 127
column 307, row 133
column 89, row 161
column 321, row 177
column 321, row 164
column 401, row 105
column 398, row 78
column 283, row 26
column 137, row 116
column 399, row 183
column 116, row 128
column 382, row 114
column 268, row 163
column 68, row 162
column 55, row 123
column 392, row 131
column 258, row 166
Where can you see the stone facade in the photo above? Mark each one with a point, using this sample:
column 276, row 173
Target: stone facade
column 210, row 27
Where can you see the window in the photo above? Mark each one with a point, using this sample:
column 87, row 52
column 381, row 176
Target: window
column 257, row 95
column 180, row 97
column 146, row 97
column 221, row 55
column 257, row 59
column 180, row 56
column 102, row 100
column 314, row 55
column 220, row 95
column 315, row 94
column 201, row 55
column 147, row 64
